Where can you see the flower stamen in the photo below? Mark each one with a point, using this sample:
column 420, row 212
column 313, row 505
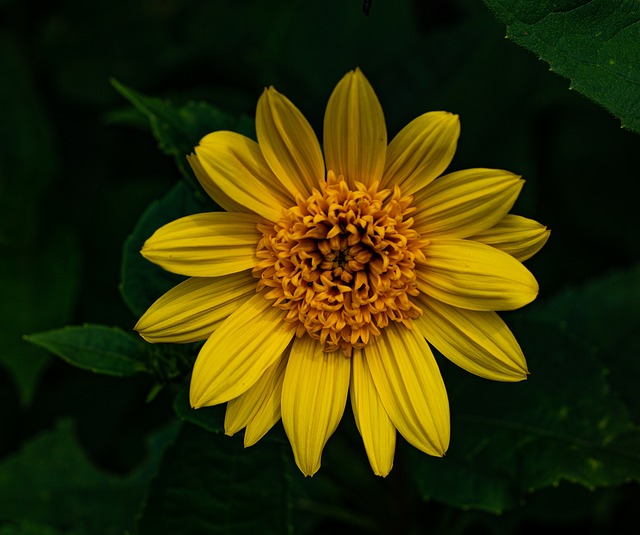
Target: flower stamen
column 341, row 263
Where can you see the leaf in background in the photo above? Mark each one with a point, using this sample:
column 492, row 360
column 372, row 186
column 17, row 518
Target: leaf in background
column 605, row 315
column 100, row 349
column 38, row 290
column 209, row 484
column 564, row 422
column 141, row 281
column 594, row 43
column 179, row 129
column 51, row 482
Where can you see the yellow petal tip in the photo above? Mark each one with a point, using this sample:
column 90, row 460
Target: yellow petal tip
column 309, row 472
column 382, row 473
column 195, row 398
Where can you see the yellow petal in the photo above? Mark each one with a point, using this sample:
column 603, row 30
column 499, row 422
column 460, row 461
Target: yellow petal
column 410, row 386
column 269, row 412
column 421, row 151
column 474, row 276
column 193, row 309
column 289, row 144
column 464, row 203
column 314, row 395
column 518, row 236
column 479, row 342
column 377, row 431
column 212, row 189
column 259, row 407
column 234, row 165
column 355, row 135
column 238, row 352
column 205, row 245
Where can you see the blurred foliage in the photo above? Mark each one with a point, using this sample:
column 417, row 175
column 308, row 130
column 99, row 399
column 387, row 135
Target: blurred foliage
column 208, row 484
column 43, row 270
column 79, row 164
column 51, row 482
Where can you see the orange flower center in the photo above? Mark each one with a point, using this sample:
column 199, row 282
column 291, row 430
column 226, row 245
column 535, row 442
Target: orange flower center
column 341, row 263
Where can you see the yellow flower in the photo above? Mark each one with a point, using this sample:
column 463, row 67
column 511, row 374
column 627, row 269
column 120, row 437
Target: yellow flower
column 327, row 275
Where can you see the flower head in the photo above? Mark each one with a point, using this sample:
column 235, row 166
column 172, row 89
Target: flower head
column 328, row 276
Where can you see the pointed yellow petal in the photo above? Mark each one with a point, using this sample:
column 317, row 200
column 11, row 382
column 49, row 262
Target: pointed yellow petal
column 474, row 276
column 212, row 189
column 464, row 203
column 518, row 236
column 314, row 395
column 421, row 151
column 234, row 165
column 479, row 342
column 205, row 245
column 193, row 309
column 258, row 407
column 410, row 386
column 289, row 144
column 377, row 431
column 270, row 411
column 238, row 352
column 355, row 135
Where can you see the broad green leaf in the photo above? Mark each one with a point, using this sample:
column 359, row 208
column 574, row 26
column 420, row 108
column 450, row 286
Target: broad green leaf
column 141, row 281
column 178, row 129
column 113, row 351
column 52, row 482
column 100, row 349
column 208, row 483
column 508, row 440
column 38, row 290
column 594, row 43
column 605, row 314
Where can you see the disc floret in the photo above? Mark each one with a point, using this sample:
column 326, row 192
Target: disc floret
column 342, row 263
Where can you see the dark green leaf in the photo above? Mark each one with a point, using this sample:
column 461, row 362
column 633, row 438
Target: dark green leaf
column 179, row 129
column 208, row 484
column 51, row 482
column 563, row 423
column 605, row 314
column 98, row 348
column 594, row 43
column 141, row 281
